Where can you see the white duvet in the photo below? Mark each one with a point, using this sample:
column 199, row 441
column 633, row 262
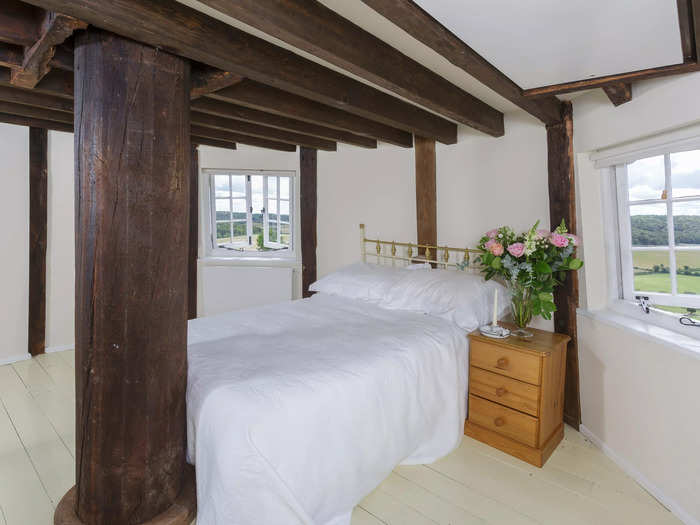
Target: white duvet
column 297, row 411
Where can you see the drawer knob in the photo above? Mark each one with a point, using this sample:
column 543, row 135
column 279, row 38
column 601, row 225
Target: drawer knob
column 499, row 421
column 500, row 391
column 502, row 362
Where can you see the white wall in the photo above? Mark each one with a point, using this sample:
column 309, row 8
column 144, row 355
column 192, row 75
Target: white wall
column 14, row 240
column 637, row 394
column 60, row 253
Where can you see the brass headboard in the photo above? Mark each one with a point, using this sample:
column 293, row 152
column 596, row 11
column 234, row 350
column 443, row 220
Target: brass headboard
column 408, row 253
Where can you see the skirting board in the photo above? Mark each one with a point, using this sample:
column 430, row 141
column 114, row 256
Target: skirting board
column 632, row 472
column 15, row 358
column 59, row 348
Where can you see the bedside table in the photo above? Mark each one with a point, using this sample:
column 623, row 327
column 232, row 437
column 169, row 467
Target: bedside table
column 516, row 393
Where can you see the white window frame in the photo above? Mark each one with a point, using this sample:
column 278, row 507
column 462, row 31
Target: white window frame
column 211, row 247
column 624, row 267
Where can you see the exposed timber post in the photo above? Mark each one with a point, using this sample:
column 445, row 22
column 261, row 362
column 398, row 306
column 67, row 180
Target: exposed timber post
column 426, row 191
column 308, row 199
column 194, row 234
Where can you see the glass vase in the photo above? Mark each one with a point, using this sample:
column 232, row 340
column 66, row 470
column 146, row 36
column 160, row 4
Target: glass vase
column 521, row 306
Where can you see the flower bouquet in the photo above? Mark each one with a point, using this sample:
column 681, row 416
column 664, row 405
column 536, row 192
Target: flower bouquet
column 532, row 264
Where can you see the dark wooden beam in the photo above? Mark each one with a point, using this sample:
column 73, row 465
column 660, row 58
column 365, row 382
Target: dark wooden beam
column 619, row 93
column 193, row 240
column 11, row 56
column 194, row 35
column 203, row 141
column 18, row 120
column 36, row 113
column 229, row 136
column 265, row 98
column 308, row 211
column 132, row 169
column 62, row 58
column 424, row 28
column 19, row 23
column 256, row 130
column 599, row 82
column 38, row 195
column 562, row 205
column 55, row 28
column 686, row 24
column 32, row 98
column 344, row 44
column 57, row 83
column 426, row 191
column 206, row 79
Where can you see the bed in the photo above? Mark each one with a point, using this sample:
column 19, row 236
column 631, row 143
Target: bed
column 296, row 411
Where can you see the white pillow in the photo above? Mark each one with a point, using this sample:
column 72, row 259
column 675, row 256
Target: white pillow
column 463, row 298
column 368, row 282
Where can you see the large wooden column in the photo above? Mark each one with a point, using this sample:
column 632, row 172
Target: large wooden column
column 194, row 234
column 132, row 165
column 426, row 191
column 308, row 199
column 562, row 205
column 38, row 196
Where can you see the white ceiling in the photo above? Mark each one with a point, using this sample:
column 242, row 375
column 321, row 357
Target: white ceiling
column 542, row 42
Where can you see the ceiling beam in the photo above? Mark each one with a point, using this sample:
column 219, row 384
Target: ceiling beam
column 424, row 28
column 35, row 112
column 19, row 120
column 32, row 98
column 19, row 23
column 206, row 79
column 599, row 82
column 255, row 130
column 344, row 44
column 55, row 28
column 179, row 29
column 203, row 141
column 228, row 136
column 224, row 109
column 265, row 98
column 619, row 93
column 11, row 55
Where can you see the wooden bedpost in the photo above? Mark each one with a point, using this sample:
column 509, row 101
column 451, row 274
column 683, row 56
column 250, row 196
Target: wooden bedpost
column 194, row 233
column 308, row 199
column 132, row 165
column 38, row 197
column 426, row 191
column 562, row 205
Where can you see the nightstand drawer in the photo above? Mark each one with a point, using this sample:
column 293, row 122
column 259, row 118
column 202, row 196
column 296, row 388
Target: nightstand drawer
column 504, row 390
column 505, row 361
column 505, row 421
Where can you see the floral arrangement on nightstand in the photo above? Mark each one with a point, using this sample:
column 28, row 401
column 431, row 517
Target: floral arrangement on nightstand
column 532, row 264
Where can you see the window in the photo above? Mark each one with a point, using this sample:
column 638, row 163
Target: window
column 658, row 201
column 251, row 213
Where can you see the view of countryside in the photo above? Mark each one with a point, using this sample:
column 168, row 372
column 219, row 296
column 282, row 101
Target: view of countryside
column 651, row 245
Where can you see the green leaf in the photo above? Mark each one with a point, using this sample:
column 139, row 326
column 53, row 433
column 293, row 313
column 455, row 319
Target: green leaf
column 575, row 264
column 545, row 296
column 496, row 263
column 543, row 268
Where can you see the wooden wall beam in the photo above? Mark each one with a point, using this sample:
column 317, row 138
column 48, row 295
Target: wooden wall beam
column 308, row 211
column 18, row 120
column 272, row 100
column 35, row 112
column 206, row 79
column 38, row 224
column 424, row 28
column 686, row 24
column 342, row 43
column 256, row 130
column 203, row 141
column 132, row 226
column 619, row 93
column 37, row 100
column 223, row 109
column 229, row 136
column 426, row 191
column 562, row 205
column 193, row 241
column 194, row 35
column 19, row 23
column 55, row 28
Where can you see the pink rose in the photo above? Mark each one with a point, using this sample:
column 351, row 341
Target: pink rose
column 516, row 249
column 574, row 239
column 492, row 233
column 559, row 240
column 543, row 234
column 496, row 248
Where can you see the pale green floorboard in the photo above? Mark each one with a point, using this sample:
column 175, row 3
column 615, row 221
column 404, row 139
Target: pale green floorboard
column 476, row 484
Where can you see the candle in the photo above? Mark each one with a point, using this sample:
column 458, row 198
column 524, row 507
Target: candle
column 494, row 322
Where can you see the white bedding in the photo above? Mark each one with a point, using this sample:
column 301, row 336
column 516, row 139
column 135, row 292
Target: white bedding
column 297, row 411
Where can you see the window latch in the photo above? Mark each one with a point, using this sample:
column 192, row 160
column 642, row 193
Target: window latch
column 643, row 302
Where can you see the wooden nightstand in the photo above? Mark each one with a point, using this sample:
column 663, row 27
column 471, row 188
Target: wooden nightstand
column 516, row 393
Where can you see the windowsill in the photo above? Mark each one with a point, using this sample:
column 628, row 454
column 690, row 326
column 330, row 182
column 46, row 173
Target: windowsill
column 652, row 332
column 250, row 261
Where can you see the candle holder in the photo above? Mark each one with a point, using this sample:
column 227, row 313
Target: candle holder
column 495, row 331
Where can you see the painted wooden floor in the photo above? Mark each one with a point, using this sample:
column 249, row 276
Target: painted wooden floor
column 474, row 484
